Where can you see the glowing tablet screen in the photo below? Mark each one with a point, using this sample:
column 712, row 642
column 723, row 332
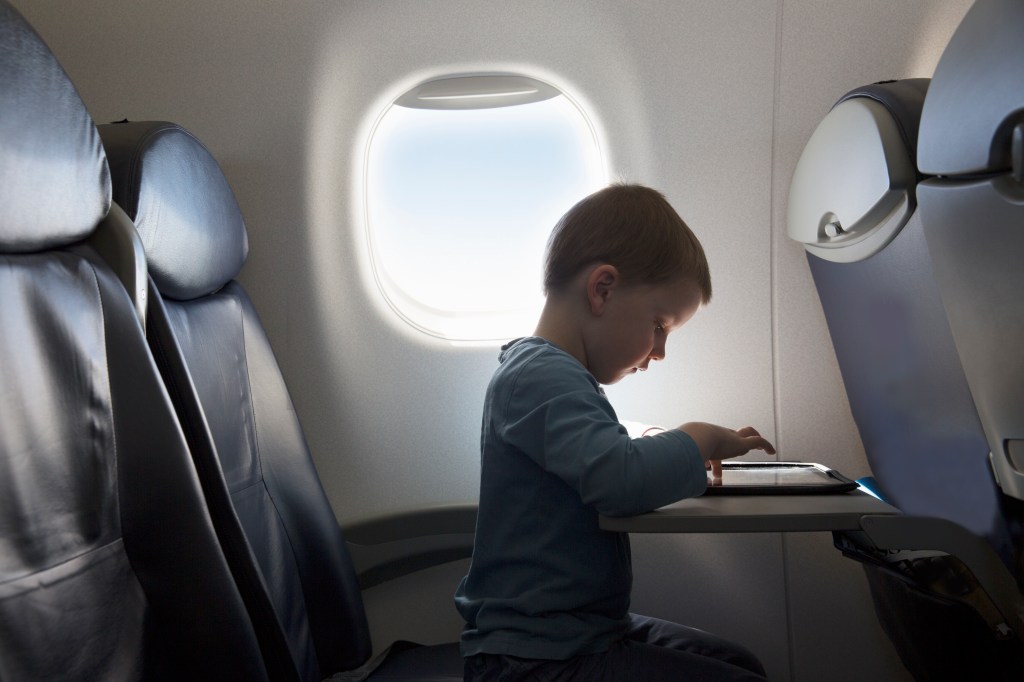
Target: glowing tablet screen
column 766, row 478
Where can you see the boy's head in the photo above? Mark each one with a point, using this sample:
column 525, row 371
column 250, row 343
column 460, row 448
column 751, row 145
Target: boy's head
column 632, row 228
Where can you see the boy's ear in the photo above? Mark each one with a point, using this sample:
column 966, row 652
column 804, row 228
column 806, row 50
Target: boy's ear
column 600, row 283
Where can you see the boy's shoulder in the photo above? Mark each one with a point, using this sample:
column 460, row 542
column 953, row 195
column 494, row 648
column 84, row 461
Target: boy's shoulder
column 535, row 350
column 533, row 363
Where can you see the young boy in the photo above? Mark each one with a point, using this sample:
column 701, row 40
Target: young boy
column 547, row 594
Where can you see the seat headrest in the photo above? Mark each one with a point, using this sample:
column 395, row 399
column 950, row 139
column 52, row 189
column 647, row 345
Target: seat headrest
column 973, row 122
column 854, row 187
column 54, row 183
column 181, row 203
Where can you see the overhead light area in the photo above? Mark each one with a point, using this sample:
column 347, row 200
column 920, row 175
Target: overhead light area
column 477, row 92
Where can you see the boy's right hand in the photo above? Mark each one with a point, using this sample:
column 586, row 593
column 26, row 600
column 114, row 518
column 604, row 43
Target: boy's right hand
column 717, row 443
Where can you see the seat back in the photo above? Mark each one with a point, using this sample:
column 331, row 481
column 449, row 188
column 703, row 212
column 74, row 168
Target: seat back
column 852, row 205
column 875, row 280
column 972, row 140
column 109, row 564
column 217, row 361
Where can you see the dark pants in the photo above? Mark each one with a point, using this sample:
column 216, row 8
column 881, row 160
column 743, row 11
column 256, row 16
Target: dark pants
column 653, row 650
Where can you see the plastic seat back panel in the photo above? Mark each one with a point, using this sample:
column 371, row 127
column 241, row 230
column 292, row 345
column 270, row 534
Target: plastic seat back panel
column 907, row 390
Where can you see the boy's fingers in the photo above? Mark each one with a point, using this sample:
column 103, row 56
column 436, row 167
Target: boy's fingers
column 755, row 441
column 759, row 443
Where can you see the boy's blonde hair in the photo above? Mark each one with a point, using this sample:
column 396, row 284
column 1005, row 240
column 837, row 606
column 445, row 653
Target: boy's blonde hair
column 633, row 228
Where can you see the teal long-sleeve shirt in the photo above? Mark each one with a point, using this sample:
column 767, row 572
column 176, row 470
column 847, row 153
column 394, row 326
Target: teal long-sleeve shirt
column 545, row 581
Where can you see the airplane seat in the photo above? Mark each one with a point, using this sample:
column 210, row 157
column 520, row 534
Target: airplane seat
column 109, row 565
column 972, row 143
column 224, row 378
column 852, row 206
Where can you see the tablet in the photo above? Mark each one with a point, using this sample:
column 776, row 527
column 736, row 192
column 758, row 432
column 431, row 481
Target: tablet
column 778, row 478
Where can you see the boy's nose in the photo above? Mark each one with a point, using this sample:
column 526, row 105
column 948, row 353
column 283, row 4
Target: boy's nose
column 658, row 352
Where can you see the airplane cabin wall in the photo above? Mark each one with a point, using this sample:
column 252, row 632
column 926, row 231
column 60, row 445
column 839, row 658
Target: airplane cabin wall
column 709, row 102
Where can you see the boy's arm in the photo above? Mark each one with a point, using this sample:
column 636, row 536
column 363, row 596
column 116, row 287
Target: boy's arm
column 551, row 410
column 717, row 442
column 577, row 437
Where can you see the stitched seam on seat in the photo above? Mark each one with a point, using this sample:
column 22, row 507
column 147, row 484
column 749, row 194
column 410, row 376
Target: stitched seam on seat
column 110, row 396
column 106, row 373
column 255, row 428
column 248, row 381
column 244, row 489
column 9, row 589
column 262, row 480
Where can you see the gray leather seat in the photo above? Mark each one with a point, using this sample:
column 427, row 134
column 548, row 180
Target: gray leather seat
column 228, row 389
column 110, row 568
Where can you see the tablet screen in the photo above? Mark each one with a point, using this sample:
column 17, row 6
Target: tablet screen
column 778, row 477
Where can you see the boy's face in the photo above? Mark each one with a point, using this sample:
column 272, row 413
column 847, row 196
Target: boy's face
column 634, row 324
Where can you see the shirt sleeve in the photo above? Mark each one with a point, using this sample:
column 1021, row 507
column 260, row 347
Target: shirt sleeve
column 637, row 429
column 557, row 416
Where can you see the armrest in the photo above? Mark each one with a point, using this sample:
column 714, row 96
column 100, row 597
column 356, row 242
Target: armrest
column 391, row 545
column 999, row 601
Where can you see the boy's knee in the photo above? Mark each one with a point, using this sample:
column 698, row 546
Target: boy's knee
column 671, row 635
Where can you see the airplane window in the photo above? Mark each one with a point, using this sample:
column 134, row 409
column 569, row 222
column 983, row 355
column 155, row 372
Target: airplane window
column 465, row 177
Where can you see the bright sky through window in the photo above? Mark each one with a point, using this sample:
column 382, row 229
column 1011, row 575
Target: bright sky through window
column 460, row 204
